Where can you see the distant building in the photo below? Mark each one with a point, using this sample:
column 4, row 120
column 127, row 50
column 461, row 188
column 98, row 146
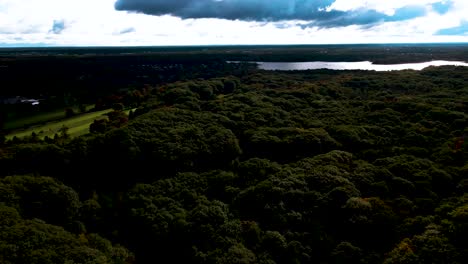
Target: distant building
column 30, row 101
column 18, row 100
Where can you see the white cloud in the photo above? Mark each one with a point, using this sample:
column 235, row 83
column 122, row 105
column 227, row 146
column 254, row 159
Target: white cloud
column 95, row 22
column 385, row 6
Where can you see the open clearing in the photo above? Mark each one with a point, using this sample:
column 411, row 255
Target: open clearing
column 40, row 118
column 77, row 126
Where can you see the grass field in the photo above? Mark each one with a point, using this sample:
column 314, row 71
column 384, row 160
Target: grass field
column 40, row 118
column 77, row 126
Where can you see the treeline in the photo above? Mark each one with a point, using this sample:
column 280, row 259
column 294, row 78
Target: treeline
column 271, row 167
column 378, row 53
column 67, row 80
column 64, row 77
column 63, row 81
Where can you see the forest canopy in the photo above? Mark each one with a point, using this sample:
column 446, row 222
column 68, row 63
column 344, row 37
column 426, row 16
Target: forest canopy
column 251, row 166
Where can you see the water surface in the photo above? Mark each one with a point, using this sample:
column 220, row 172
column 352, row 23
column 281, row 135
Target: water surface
column 361, row 65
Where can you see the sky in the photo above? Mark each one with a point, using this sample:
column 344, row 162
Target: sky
column 30, row 23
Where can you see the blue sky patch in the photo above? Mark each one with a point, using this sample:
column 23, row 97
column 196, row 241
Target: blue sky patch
column 462, row 29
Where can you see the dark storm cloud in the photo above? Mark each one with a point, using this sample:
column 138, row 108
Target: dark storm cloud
column 341, row 19
column 364, row 17
column 58, row 26
column 268, row 11
column 250, row 10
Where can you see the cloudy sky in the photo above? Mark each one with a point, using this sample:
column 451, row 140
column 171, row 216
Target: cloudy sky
column 218, row 22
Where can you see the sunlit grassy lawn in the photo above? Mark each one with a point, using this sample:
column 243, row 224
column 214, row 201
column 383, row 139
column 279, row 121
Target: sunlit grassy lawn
column 77, row 126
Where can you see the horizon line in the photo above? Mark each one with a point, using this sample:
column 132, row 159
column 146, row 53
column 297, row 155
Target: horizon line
column 45, row 46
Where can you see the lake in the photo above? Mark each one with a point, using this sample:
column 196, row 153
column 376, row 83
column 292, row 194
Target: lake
column 361, row 65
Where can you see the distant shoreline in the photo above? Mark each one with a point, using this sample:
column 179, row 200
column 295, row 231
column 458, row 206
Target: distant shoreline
column 360, row 65
column 392, row 53
column 236, row 45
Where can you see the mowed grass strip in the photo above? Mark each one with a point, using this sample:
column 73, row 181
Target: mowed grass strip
column 77, row 126
column 23, row 122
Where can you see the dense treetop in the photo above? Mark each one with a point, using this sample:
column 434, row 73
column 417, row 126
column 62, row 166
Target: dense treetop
column 262, row 167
